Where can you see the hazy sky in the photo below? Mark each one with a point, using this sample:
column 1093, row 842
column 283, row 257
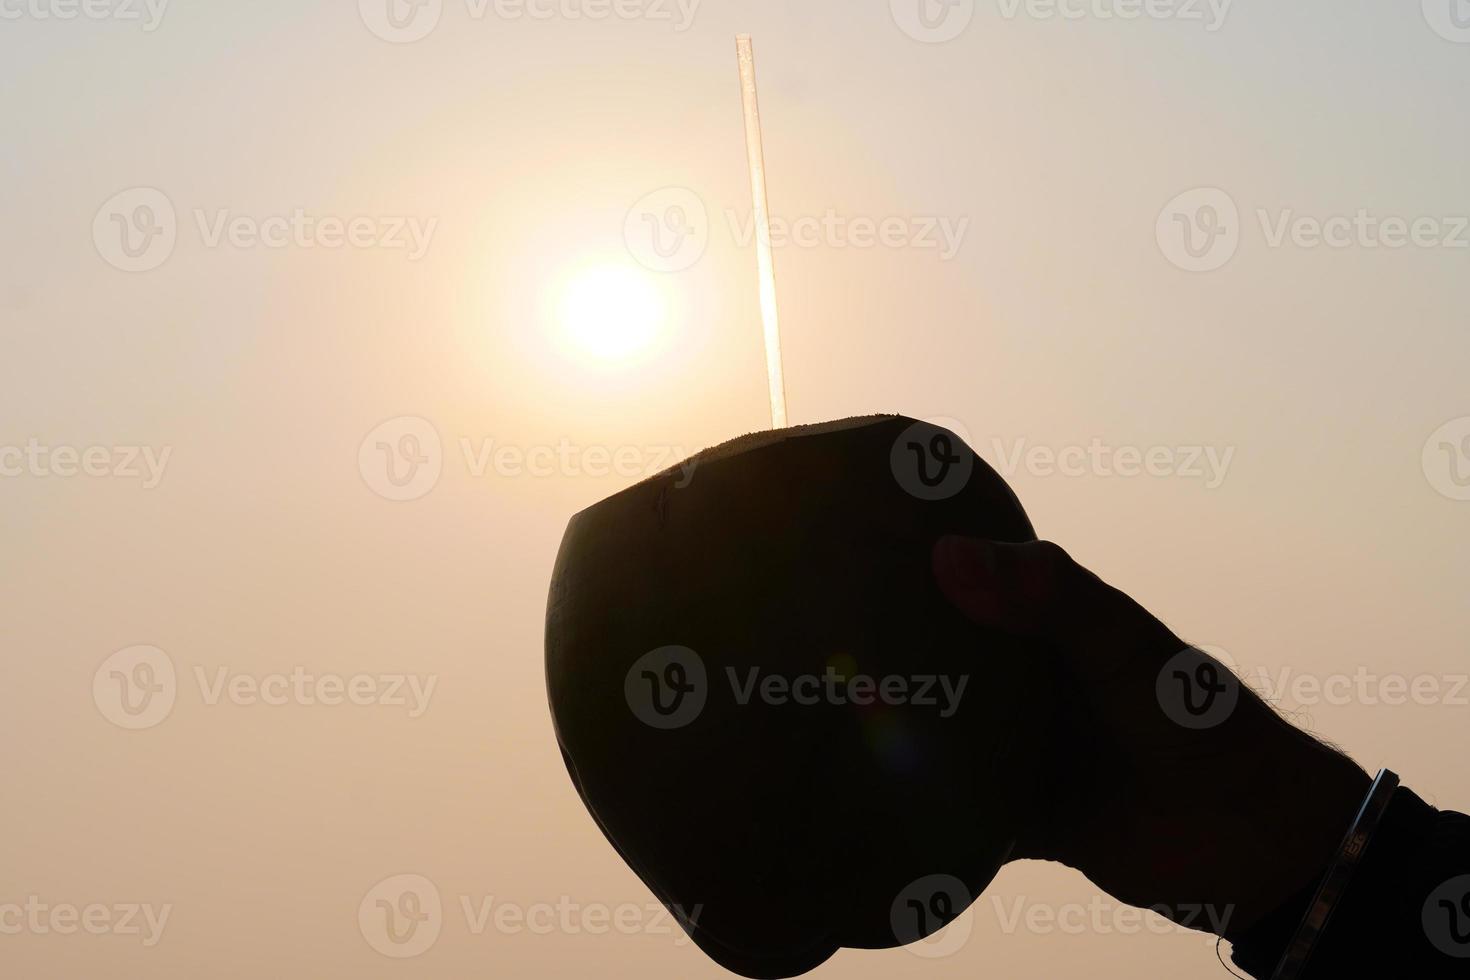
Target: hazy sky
column 248, row 246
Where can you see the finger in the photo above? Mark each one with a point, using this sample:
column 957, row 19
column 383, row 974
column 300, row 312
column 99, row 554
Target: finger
column 1036, row 589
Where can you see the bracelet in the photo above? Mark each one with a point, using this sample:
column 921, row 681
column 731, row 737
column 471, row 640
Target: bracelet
column 1339, row 873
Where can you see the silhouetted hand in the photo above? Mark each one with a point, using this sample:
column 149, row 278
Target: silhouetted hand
column 1170, row 785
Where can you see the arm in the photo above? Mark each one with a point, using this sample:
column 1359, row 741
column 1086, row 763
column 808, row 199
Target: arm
column 1173, row 786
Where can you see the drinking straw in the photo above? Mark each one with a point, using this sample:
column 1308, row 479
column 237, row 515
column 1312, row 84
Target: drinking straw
column 766, row 263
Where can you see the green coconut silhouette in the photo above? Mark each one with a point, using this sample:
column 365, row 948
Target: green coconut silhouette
column 770, row 709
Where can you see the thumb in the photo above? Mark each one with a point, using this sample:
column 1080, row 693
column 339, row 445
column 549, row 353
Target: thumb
column 1035, row 589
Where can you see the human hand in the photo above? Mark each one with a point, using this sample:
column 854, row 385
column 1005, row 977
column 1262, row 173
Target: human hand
column 1169, row 784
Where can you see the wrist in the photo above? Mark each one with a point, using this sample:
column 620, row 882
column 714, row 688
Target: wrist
column 1317, row 794
column 1373, row 926
column 1316, row 798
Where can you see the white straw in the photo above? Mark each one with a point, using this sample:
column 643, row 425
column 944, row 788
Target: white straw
column 766, row 262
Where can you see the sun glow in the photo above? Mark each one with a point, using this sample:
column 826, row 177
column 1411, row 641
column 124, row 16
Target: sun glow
column 612, row 313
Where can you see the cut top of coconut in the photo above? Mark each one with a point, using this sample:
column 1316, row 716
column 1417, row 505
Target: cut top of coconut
column 762, row 438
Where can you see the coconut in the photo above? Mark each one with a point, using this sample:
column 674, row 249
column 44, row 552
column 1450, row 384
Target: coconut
column 769, row 708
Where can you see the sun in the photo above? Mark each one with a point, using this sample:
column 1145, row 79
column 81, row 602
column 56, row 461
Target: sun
column 612, row 313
